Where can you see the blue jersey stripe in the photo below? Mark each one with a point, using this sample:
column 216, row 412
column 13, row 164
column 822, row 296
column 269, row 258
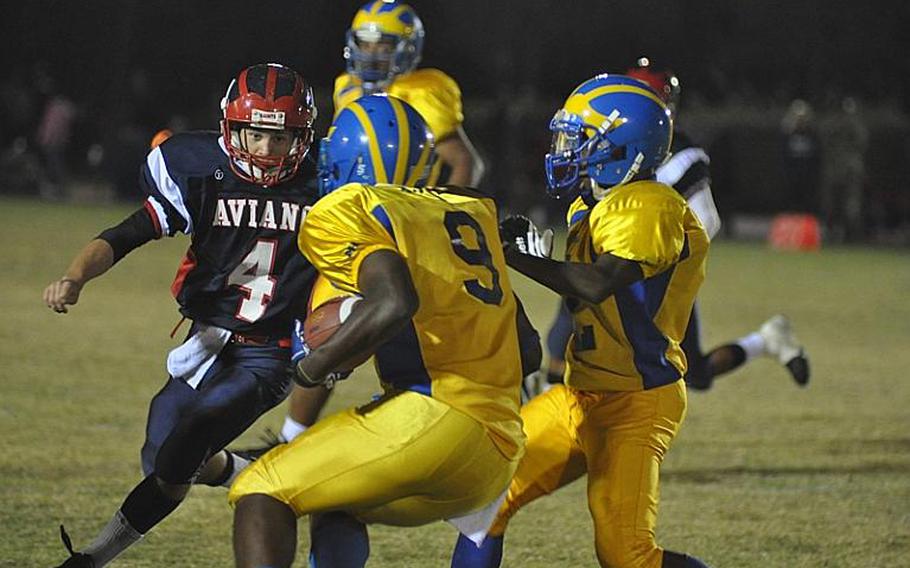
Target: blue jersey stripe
column 578, row 216
column 383, row 217
column 684, row 253
column 401, row 364
column 638, row 305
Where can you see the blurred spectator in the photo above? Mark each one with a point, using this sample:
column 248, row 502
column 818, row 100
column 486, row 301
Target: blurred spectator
column 801, row 156
column 845, row 137
column 18, row 109
column 53, row 136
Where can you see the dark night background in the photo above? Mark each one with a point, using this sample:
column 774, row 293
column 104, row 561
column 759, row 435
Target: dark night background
column 131, row 68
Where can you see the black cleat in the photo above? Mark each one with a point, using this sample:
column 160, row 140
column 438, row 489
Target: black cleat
column 781, row 343
column 799, row 368
column 270, row 440
column 76, row 559
column 701, row 384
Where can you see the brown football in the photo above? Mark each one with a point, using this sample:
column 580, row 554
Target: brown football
column 324, row 321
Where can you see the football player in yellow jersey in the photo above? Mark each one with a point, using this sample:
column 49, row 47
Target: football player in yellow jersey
column 635, row 258
column 382, row 50
column 439, row 314
column 383, row 47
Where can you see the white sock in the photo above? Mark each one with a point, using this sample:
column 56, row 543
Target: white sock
column 291, row 429
column 116, row 537
column 753, row 344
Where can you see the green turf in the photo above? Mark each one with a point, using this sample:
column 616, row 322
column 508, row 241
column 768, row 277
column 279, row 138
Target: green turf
column 763, row 473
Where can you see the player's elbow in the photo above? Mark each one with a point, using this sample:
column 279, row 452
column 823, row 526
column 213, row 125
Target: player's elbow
column 607, row 275
column 396, row 310
column 388, row 290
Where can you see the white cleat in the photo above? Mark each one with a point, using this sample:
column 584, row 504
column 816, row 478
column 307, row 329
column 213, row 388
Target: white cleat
column 782, row 344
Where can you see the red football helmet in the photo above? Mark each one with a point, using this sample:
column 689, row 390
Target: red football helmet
column 267, row 98
column 663, row 81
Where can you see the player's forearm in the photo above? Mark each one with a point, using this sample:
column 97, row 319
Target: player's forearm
column 389, row 302
column 591, row 283
column 460, row 174
column 468, row 171
column 110, row 246
column 466, row 167
column 92, row 261
column 369, row 326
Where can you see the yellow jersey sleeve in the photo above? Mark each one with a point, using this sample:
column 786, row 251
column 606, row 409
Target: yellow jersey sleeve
column 340, row 231
column 642, row 222
column 435, row 95
column 347, row 90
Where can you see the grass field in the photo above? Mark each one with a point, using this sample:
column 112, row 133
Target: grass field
column 763, row 473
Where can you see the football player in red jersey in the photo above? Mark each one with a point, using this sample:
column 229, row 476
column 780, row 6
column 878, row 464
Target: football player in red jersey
column 241, row 194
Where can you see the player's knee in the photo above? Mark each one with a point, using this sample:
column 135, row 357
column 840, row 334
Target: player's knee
column 183, row 453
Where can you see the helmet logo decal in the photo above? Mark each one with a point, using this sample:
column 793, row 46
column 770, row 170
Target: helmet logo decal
column 267, row 119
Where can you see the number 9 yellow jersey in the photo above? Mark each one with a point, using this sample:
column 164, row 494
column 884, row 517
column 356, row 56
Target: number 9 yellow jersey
column 462, row 345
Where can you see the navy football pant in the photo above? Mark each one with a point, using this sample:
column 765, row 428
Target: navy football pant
column 186, row 426
column 560, row 332
column 697, row 373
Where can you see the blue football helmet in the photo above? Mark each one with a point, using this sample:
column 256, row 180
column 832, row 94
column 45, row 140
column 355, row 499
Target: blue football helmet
column 611, row 129
column 385, row 39
column 376, row 139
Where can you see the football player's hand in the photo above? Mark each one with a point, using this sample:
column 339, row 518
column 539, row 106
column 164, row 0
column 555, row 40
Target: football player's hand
column 299, row 351
column 61, row 293
column 519, row 233
column 299, row 347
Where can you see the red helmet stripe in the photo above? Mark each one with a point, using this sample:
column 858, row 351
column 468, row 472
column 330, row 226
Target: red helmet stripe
column 271, row 81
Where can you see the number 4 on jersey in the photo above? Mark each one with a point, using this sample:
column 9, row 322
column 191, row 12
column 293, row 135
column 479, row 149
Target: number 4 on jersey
column 254, row 276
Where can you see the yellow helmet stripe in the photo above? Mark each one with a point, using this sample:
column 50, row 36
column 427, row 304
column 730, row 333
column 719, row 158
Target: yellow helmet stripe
column 591, row 95
column 422, row 162
column 375, row 153
column 404, row 141
column 375, row 7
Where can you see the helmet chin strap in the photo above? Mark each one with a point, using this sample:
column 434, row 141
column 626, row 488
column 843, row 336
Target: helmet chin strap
column 633, row 169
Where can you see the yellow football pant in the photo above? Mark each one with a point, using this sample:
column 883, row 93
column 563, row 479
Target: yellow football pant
column 405, row 460
column 619, row 440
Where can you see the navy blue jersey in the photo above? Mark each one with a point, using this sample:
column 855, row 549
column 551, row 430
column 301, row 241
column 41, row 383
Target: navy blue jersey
column 242, row 271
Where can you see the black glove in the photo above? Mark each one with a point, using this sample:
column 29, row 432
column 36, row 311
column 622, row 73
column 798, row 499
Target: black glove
column 519, row 232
